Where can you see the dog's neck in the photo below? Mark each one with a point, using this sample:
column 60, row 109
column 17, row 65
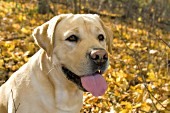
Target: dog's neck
column 65, row 93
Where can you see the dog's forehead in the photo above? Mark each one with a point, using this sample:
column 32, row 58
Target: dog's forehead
column 85, row 17
column 80, row 21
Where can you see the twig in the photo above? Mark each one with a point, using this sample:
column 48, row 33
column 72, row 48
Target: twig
column 16, row 108
column 156, row 98
column 144, row 80
column 13, row 38
column 164, row 42
column 145, row 83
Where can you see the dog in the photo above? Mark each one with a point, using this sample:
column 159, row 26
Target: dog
column 71, row 60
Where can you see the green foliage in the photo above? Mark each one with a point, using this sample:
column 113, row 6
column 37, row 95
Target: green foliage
column 138, row 76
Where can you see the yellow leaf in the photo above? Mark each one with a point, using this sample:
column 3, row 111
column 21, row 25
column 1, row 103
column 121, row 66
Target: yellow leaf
column 10, row 45
column 127, row 105
column 139, row 97
column 145, row 107
column 22, row 17
column 140, row 78
column 1, row 64
column 150, row 88
column 137, row 105
column 25, row 31
column 16, row 26
column 139, row 19
column 150, row 66
column 129, row 76
column 166, row 102
column 2, row 14
column 116, row 93
column 33, row 21
column 152, row 76
column 124, row 111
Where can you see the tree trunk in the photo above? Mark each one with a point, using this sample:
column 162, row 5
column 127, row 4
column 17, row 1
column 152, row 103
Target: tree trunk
column 79, row 6
column 75, row 6
column 43, row 6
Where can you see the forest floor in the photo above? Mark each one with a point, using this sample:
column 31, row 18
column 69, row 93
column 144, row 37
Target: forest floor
column 139, row 73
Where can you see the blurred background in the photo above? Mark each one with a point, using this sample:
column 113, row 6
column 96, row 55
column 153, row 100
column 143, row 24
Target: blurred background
column 139, row 73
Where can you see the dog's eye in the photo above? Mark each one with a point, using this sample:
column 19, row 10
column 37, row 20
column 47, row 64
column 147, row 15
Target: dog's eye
column 72, row 38
column 101, row 37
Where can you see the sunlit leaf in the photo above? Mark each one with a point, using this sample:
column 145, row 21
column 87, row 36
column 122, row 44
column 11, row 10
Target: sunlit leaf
column 145, row 107
column 16, row 26
column 25, row 30
column 1, row 64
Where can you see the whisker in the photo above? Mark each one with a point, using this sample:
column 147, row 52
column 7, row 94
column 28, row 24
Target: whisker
column 53, row 67
column 51, row 70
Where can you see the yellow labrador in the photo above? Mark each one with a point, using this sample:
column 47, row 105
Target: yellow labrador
column 71, row 60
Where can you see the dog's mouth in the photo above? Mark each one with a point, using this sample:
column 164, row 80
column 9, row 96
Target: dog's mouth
column 93, row 83
column 73, row 77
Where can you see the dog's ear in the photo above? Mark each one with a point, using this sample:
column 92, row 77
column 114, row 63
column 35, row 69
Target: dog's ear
column 109, row 34
column 109, row 38
column 44, row 34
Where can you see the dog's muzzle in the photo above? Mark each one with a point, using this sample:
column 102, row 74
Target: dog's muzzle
column 92, row 82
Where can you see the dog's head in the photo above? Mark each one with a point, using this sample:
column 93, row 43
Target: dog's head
column 78, row 43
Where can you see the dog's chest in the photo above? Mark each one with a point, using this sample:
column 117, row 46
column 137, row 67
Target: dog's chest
column 69, row 101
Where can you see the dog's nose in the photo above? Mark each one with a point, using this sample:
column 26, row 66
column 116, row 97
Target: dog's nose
column 99, row 56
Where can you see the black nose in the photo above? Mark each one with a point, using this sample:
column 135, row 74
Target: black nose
column 99, row 56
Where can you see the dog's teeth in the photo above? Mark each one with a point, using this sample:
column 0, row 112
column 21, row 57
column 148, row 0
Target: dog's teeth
column 98, row 71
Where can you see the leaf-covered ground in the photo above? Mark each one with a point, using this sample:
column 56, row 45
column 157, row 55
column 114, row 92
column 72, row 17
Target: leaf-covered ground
column 138, row 75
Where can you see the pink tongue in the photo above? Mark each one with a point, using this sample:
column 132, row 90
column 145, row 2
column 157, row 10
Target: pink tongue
column 94, row 84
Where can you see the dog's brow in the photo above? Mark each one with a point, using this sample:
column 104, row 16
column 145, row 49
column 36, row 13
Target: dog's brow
column 73, row 30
